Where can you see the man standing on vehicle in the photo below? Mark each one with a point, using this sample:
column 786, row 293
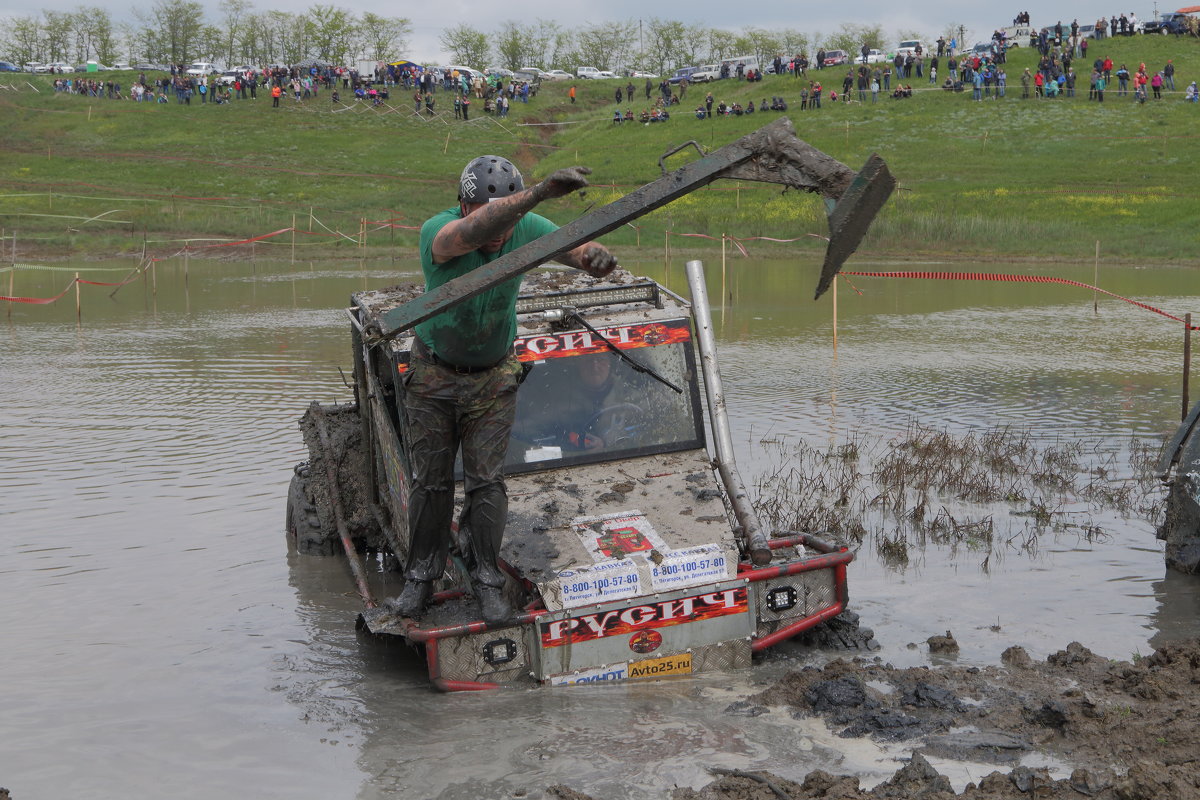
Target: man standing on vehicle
column 460, row 388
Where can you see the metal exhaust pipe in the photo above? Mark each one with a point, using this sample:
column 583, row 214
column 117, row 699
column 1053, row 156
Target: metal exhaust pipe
column 757, row 542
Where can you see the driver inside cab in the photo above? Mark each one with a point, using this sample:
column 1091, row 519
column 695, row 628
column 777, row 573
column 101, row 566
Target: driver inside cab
column 586, row 406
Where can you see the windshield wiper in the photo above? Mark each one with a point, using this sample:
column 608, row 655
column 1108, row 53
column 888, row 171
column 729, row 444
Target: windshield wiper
column 636, row 365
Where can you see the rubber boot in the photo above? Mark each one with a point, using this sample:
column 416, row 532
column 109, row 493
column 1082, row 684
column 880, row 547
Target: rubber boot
column 412, row 600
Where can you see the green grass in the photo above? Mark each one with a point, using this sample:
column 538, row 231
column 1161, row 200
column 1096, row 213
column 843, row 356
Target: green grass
column 1011, row 178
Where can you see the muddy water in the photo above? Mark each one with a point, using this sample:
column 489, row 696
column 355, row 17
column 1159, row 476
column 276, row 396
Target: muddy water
column 158, row 640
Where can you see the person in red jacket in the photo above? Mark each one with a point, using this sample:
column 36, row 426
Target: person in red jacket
column 276, row 92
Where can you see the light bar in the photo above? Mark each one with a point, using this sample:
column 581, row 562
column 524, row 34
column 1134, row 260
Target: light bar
column 586, row 298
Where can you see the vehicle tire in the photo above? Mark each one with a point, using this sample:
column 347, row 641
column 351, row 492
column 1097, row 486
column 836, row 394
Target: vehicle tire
column 307, row 531
column 842, row 633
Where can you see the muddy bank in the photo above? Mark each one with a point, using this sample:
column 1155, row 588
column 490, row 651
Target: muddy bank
column 1128, row 729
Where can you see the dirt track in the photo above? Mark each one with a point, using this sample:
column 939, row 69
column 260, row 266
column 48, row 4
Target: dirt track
column 1129, row 729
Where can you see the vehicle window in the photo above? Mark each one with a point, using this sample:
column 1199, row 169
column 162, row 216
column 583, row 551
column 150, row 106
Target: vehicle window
column 589, row 405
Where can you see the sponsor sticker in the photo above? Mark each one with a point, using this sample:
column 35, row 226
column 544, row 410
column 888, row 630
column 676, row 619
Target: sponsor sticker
column 611, row 672
column 645, row 641
column 612, row 580
column 661, row 667
column 659, row 614
column 619, row 535
column 680, row 568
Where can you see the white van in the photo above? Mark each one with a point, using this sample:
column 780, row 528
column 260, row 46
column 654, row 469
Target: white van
column 202, row 68
column 747, row 62
column 586, row 72
column 474, row 73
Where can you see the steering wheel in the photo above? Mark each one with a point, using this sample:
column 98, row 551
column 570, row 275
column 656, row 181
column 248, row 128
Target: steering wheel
column 625, row 420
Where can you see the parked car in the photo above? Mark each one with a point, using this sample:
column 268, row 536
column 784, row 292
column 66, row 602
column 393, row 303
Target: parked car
column 681, row 73
column 705, row 73
column 227, row 77
column 121, row 65
column 835, row 57
column 7, row 67
column 637, row 73
column 876, row 57
column 500, row 72
column 1170, row 22
column 604, row 74
column 529, row 75
column 910, row 47
column 202, row 68
column 1015, row 34
column 558, row 75
column 1085, row 32
column 56, row 67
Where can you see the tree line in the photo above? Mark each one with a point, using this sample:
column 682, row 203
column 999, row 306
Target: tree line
column 180, row 31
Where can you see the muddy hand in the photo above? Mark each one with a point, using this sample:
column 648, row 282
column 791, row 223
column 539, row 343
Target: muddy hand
column 598, row 261
column 562, row 182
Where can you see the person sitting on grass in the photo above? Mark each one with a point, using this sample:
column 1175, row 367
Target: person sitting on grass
column 700, row 113
column 337, row 98
column 628, row 115
column 617, row 116
column 645, row 116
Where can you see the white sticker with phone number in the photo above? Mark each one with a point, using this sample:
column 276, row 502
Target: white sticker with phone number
column 680, row 568
column 610, row 580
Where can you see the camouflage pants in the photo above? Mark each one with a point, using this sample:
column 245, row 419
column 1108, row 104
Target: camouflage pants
column 446, row 410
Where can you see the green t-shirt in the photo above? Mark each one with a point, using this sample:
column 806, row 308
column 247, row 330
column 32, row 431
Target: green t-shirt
column 479, row 331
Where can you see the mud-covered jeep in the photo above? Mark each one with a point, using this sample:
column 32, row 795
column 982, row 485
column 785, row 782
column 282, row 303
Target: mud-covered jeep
column 623, row 539
column 631, row 547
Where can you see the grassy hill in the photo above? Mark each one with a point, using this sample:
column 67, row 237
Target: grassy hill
column 1004, row 178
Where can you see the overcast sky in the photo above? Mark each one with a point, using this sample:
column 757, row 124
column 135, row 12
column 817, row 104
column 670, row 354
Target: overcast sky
column 429, row 19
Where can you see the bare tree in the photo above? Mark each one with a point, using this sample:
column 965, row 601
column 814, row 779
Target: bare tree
column 383, row 38
column 22, row 41
column 173, row 30
column 467, row 46
column 234, row 15
column 721, row 44
column 332, row 33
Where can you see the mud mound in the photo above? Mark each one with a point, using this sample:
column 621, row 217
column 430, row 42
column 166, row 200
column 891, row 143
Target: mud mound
column 1128, row 727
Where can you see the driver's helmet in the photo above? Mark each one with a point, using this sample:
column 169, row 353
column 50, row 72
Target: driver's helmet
column 487, row 178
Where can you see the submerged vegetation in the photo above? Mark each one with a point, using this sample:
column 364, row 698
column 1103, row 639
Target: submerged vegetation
column 984, row 492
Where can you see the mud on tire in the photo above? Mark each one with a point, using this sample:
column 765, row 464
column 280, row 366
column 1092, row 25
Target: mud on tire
column 306, row 530
column 340, row 468
column 844, row 633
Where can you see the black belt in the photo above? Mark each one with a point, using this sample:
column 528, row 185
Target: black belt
column 426, row 354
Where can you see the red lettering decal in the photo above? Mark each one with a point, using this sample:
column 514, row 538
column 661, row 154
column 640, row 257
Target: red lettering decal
column 683, row 607
column 638, row 615
column 598, row 624
column 558, row 628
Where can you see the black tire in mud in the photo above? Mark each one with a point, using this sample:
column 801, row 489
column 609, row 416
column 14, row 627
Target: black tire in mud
column 842, row 633
column 307, row 531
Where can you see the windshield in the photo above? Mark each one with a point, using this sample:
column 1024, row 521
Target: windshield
column 582, row 403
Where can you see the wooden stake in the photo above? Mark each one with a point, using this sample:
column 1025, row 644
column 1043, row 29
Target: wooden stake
column 446, row 146
column 78, row 309
column 293, row 238
column 12, row 276
column 1187, row 361
column 738, row 197
column 310, row 219
column 1096, row 280
column 834, row 287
